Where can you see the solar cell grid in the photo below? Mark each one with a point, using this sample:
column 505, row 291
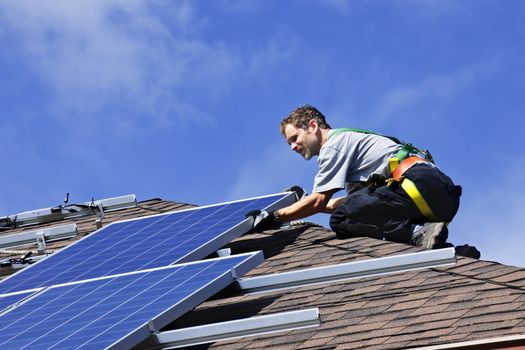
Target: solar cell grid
column 115, row 310
column 144, row 243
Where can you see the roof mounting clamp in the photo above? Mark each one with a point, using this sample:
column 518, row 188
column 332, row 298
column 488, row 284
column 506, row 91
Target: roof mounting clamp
column 152, row 327
column 98, row 223
column 100, row 214
column 224, row 252
column 41, row 242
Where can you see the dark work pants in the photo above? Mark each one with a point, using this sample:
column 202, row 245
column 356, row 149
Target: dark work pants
column 387, row 212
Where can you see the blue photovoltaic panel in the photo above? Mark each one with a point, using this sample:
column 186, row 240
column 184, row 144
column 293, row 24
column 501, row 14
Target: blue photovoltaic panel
column 144, row 243
column 8, row 300
column 113, row 312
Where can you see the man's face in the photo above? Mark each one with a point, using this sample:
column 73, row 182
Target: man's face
column 304, row 142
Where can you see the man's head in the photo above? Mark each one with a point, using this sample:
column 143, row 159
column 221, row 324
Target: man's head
column 302, row 130
column 301, row 116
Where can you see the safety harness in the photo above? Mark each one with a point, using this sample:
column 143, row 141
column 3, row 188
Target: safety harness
column 405, row 158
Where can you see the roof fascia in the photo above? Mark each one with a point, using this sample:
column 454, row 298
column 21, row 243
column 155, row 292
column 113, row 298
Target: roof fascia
column 506, row 342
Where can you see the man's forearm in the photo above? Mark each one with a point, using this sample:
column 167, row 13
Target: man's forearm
column 310, row 205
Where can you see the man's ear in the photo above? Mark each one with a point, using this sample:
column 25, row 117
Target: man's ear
column 313, row 124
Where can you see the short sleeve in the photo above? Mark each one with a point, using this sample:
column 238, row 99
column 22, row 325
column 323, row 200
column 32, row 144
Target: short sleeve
column 333, row 170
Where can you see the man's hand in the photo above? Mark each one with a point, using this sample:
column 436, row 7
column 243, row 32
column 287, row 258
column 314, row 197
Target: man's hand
column 300, row 193
column 263, row 220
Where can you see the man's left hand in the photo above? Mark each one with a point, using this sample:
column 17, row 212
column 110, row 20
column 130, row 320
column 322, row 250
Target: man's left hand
column 299, row 192
column 264, row 220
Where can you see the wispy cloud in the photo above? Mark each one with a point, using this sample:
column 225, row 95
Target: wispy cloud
column 117, row 57
column 431, row 90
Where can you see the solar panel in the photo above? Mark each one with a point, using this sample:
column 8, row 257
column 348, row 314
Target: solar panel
column 117, row 312
column 144, row 243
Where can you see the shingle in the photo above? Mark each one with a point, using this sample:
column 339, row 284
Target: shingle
column 370, row 343
column 489, row 317
column 315, row 343
column 487, row 326
column 365, row 338
column 385, row 316
column 497, row 272
column 405, row 336
column 437, row 316
column 511, row 277
column 444, row 339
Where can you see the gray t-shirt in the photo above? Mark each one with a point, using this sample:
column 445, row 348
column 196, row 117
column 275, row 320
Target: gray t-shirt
column 349, row 157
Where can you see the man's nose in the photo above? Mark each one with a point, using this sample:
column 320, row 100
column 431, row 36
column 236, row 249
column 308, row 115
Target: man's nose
column 293, row 145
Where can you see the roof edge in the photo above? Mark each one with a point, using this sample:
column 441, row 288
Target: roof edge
column 510, row 341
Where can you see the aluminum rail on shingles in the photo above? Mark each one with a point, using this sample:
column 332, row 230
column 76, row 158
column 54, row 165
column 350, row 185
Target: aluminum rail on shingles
column 252, row 326
column 40, row 216
column 30, row 237
column 356, row 269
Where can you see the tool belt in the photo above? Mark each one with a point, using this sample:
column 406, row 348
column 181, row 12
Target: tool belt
column 397, row 169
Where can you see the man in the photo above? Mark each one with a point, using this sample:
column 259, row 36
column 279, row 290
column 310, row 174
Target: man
column 394, row 191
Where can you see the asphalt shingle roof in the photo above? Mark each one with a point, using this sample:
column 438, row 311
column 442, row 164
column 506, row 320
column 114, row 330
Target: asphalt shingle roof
column 471, row 300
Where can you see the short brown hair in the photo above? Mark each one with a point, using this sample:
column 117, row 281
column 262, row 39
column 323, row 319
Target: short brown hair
column 301, row 116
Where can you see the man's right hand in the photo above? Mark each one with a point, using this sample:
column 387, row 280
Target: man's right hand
column 264, row 220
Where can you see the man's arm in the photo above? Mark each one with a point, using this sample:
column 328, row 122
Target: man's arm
column 333, row 204
column 315, row 203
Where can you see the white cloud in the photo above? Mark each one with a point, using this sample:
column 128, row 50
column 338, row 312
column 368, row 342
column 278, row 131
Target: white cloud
column 132, row 65
column 119, row 56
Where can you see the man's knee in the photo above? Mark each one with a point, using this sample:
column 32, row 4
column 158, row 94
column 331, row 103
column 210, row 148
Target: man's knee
column 344, row 228
column 352, row 219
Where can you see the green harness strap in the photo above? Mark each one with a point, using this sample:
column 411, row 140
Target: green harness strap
column 407, row 149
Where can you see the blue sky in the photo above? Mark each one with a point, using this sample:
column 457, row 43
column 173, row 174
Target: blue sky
column 182, row 99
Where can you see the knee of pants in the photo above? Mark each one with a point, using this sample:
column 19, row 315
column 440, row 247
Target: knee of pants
column 337, row 224
column 339, row 221
column 346, row 228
